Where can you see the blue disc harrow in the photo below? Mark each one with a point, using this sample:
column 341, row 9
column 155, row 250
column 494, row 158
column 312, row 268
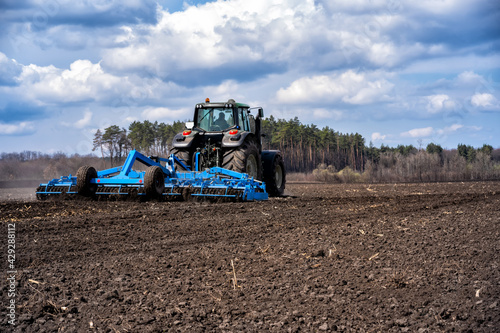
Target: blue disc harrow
column 159, row 182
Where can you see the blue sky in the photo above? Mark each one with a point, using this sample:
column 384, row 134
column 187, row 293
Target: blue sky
column 398, row 72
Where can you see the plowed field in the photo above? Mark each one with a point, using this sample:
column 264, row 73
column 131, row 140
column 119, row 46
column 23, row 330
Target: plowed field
column 348, row 258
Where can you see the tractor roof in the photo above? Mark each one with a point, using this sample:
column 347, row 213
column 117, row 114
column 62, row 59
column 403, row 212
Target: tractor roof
column 224, row 104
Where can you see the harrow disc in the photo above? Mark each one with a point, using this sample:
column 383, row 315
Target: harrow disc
column 157, row 182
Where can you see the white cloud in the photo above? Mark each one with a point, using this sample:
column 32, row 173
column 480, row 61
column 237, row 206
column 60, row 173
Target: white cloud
column 321, row 114
column 87, row 82
column 222, row 92
column 484, row 100
column 81, row 123
column 469, row 76
column 162, row 113
column 22, row 128
column 312, row 89
column 131, row 119
column 349, row 87
column 430, row 131
column 85, row 121
column 439, row 103
column 451, row 63
column 9, row 70
column 241, row 32
column 376, row 136
column 199, row 37
column 83, row 81
column 383, row 54
column 450, row 129
column 418, row 132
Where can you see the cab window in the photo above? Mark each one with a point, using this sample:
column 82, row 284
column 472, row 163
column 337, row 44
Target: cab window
column 215, row 119
column 243, row 119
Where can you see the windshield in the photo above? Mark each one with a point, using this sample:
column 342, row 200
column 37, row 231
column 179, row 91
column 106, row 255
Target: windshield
column 215, row 119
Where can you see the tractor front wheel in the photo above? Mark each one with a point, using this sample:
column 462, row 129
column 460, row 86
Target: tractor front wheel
column 154, row 181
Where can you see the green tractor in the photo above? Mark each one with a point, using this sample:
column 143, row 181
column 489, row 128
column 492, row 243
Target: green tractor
column 228, row 135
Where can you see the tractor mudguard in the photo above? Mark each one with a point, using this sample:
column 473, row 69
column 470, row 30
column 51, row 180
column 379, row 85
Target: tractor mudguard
column 268, row 157
column 183, row 141
column 233, row 141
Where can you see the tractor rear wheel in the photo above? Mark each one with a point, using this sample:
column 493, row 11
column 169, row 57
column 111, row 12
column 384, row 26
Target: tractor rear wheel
column 275, row 175
column 244, row 159
column 183, row 154
column 83, row 177
column 154, row 181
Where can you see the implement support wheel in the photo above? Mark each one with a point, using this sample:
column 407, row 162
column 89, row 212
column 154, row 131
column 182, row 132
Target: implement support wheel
column 83, row 177
column 154, row 181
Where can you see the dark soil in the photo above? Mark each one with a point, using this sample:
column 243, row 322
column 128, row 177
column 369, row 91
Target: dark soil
column 348, row 258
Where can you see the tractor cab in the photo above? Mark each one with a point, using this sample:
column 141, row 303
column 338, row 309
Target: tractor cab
column 220, row 117
column 228, row 135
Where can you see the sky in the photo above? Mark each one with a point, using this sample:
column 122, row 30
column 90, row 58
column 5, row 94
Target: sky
column 396, row 71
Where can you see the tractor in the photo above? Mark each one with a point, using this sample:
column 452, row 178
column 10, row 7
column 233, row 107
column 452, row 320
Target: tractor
column 228, row 135
column 218, row 157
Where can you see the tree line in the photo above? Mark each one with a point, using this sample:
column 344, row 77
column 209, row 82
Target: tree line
column 32, row 165
column 304, row 146
column 306, row 149
column 149, row 138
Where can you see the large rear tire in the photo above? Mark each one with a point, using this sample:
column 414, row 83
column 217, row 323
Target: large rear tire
column 275, row 176
column 154, row 182
column 83, row 177
column 183, row 154
column 245, row 159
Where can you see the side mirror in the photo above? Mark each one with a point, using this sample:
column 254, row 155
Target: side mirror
column 190, row 125
column 260, row 112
